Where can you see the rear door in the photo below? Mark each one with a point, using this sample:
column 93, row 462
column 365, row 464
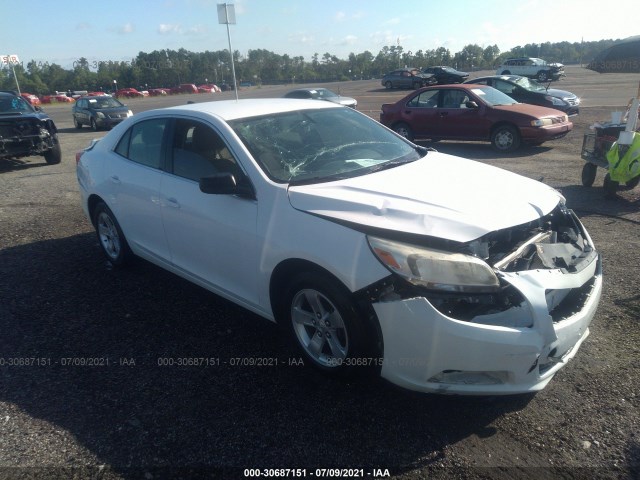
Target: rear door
column 421, row 113
column 134, row 172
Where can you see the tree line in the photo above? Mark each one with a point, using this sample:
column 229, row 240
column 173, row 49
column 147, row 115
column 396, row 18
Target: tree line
column 167, row 68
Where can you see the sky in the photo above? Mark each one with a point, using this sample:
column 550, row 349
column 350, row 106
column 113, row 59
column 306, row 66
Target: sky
column 63, row 31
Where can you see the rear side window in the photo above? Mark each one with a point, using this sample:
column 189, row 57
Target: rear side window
column 142, row 143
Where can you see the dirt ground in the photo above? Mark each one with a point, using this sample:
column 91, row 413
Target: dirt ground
column 126, row 415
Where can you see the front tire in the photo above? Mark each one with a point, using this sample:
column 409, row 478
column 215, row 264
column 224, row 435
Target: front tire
column 505, row 138
column 542, row 76
column 324, row 324
column 94, row 125
column 404, row 130
column 388, row 85
column 110, row 237
column 76, row 123
column 54, row 156
column 610, row 187
column 589, row 174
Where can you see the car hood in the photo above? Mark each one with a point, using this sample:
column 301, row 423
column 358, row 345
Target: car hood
column 554, row 92
column 533, row 111
column 343, row 100
column 440, row 196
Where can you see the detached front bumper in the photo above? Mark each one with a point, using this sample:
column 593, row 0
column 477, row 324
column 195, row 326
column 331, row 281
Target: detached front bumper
column 427, row 351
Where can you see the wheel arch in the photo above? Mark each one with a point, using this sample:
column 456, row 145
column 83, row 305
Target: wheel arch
column 92, row 203
column 281, row 275
column 503, row 123
column 288, row 268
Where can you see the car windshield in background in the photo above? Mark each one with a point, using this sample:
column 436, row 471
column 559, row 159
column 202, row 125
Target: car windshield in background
column 493, row 97
column 319, row 145
column 324, row 93
column 106, row 102
column 528, row 84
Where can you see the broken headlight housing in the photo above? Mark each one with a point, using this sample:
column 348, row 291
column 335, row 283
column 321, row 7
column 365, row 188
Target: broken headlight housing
column 435, row 269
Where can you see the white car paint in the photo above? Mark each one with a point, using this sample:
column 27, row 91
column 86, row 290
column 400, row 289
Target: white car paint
column 231, row 245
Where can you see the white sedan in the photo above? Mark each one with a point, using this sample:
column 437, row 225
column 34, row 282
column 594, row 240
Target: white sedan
column 442, row 274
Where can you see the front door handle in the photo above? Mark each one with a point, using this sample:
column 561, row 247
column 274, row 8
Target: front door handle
column 172, row 202
column 115, row 179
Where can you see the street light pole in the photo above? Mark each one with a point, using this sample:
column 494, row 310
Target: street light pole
column 227, row 15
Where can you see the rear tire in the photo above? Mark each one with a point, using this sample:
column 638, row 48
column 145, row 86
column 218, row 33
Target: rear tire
column 589, row 174
column 110, row 237
column 77, row 124
column 94, row 125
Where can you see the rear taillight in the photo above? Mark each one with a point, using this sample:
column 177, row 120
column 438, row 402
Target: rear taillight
column 79, row 156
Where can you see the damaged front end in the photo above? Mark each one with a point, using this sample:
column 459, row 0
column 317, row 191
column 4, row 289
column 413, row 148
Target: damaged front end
column 500, row 314
column 26, row 136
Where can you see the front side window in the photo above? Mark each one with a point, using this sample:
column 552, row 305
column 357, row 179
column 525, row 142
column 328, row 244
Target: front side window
column 454, row 99
column 198, row 151
column 142, row 143
column 309, row 146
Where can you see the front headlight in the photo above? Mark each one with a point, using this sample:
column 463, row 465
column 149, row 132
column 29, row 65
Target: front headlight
column 541, row 122
column 129, row 113
column 435, row 269
column 100, row 115
column 556, row 101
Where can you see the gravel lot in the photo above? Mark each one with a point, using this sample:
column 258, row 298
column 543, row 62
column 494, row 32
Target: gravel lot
column 126, row 416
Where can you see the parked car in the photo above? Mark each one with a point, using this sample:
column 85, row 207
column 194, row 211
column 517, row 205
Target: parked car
column 154, row 92
column 99, row 112
column 525, row 90
column 185, row 88
column 57, row 98
column 532, row 68
column 407, row 78
column 473, row 112
column 31, row 98
column 128, row 93
column 446, row 75
column 322, row 94
column 26, row 131
column 442, row 274
column 208, row 88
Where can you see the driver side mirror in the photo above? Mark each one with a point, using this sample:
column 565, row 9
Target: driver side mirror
column 226, row 184
column 471, row 104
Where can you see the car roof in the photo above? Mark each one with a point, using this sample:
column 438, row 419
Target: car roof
column 232, row 109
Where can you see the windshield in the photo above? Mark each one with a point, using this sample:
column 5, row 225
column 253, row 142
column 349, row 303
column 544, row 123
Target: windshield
column 318, row 145
column 493, row 97
column 530, row 85
column 324, row 93
column 10, row 104
column 106, row 102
